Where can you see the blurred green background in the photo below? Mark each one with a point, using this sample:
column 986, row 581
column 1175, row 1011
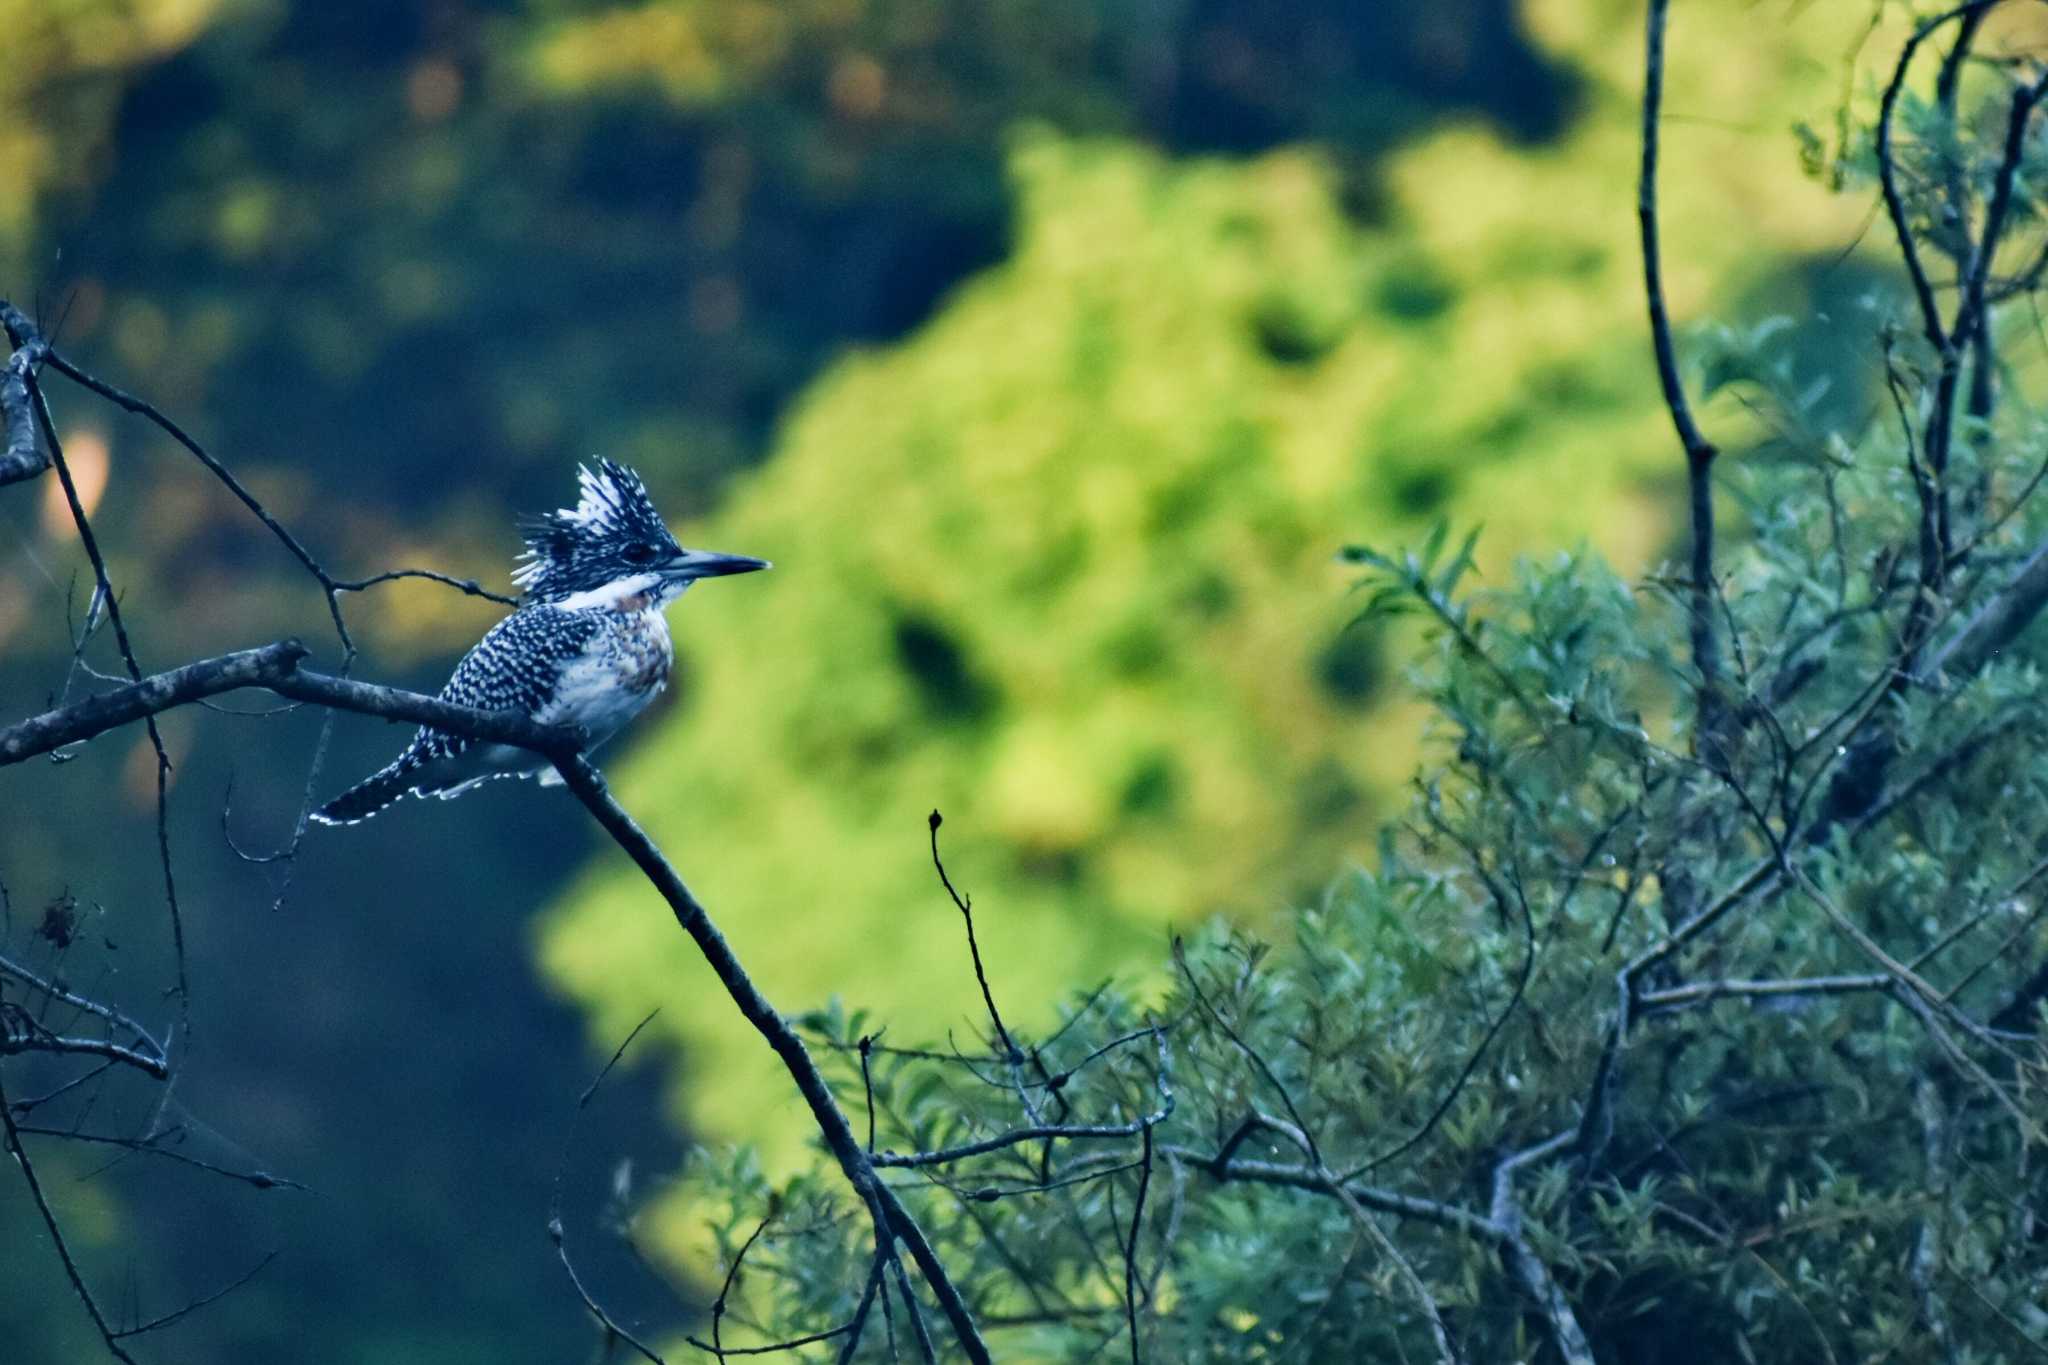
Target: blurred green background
column 1051, row 349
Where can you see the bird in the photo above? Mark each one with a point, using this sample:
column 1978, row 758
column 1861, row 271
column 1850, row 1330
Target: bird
column 588, row 643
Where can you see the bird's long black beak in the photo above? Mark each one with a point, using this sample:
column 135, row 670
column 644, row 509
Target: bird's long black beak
column 692, row 564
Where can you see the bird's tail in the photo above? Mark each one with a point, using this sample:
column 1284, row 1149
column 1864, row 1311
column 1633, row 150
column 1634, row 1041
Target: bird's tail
column 372, row 794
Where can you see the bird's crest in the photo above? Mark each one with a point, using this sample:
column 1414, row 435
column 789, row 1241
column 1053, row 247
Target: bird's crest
column 576, row 548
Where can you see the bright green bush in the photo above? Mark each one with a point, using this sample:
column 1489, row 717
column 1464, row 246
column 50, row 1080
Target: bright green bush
column 1645, row 1037
column 1811, row 1142
column 1064, row 564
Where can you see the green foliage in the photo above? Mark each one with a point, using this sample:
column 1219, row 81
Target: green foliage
column 400, row 270
column 1065, row 564
column 1733, row 1038
column 1770, row 1168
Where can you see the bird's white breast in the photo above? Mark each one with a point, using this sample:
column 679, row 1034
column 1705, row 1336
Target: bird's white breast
column 624, row 668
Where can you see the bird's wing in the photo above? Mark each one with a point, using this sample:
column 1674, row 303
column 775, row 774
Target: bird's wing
column 513, row 668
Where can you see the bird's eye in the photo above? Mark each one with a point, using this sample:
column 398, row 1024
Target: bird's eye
column 640, row 554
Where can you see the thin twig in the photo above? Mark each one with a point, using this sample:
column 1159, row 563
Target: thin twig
column 966, row 908
column 1257, row 1059
column 1131, row 1247
column 732, row 1275
column 867, row 1084
column 773, row 1347
column 60, row 993
column 56, row 1231
column 1706, row 992
column 152, row 1146
column 158, row 1323
column 1507, row 906
column 1566, row 1333
column 468, row 586
column 860, row 1312
column 913, row 1310
column 44, row 1041
column 556, row 1234
column 1038, row 1131
column 104, row 587
column 1887, row 174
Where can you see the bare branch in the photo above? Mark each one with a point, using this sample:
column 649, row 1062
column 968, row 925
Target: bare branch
column 278, row 673
column 41, row 1040
column 15, row 1149
column 589, row 786
column 1339, row 1187
column 154, row 1146
column 1926, row 1256
column 1705, row 992
column 148, row 411
column 1258, row 1061
column 1507, row 905
column 732, row 1274
column 605, row 1319
column 1308, row 1178
column 2024, row 100
column 1040, row 1131
column 773, row 1347
column 1034, row 1133
column 1887, row 173
column 556, row 1234
column 58, row 992
column 1699, row 451
column 861, row 1311
column 1565, row 1331
column 966, row 908
column 1131, row 1247
column 176, row 1314
column 20, row 456
column 161, row 692
column 1996, row 624
column 109, row 599
column 913, row 1311
column 468, row 586
column 34, row 351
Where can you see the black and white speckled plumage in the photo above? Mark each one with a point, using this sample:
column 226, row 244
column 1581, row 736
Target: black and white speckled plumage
column 588, row 645
column 581, row 548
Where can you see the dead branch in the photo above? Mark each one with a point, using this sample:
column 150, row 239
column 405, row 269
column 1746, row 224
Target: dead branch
column 20, row 456
column 1699, row 451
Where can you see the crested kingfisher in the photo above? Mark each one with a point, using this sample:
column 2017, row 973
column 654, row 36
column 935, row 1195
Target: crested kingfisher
column 588, row 644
